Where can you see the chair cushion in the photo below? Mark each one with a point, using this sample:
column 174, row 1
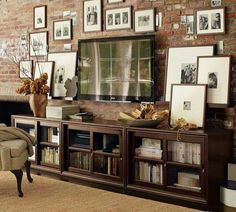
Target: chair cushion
column 16, row 146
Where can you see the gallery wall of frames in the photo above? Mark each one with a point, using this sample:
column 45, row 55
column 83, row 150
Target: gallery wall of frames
column 53, row 28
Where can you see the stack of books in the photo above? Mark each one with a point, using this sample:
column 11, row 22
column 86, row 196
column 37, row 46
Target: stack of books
column 150, row 148
column 79, row 160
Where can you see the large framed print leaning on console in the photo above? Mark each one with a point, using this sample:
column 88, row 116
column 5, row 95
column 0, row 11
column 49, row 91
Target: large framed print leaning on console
column 188, row 102
column 181, row 65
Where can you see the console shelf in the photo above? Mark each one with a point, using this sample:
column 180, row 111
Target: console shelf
column 146, row 162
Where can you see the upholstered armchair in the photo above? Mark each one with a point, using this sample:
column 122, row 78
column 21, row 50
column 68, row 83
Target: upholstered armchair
column 15, row 147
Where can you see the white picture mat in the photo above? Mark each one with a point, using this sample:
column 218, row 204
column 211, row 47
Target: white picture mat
column 221, row 66
column 120, row 11
column 67, row 61
column 114, row 1
column 210, row 30
column 92, row 3
column 150, row 26
column 196, row 94
column 40, row 12
column 176, row 57
column 44, row 67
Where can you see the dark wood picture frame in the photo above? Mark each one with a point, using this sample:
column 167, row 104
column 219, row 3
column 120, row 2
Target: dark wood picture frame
column 218, row 79
column 187, row 109
column 27, row 73
column 146, row 18
column 41, row 18
column 210, row 21
column 122, row 22
column 115, row 2
column 92, row 22
column 62, row 29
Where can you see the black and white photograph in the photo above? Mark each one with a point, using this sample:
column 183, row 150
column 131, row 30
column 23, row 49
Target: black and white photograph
column 64, row 69
column 187, row 105
column 215, row 71
column 119, row 18
column 62, row 30
column 215, row 21
column 189, row 19
column 26, row 69
column 215, row 3
column 188, row 73
column 210, row 21
column 203, row 22
column 183, row 19
column 188, row 102
column 144, row 20
column 40, row 17
column 38, row 42
column 212, row 80
column 92, row 15
column 189, row 28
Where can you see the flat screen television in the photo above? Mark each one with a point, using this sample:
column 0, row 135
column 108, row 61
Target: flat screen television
column 117, row 69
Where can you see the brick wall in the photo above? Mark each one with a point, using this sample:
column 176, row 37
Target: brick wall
column 17, row 17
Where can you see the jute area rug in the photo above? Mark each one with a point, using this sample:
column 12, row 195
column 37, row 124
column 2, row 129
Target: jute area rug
column 47, row 194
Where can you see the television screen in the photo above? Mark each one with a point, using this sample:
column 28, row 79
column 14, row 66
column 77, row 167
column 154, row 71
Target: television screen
column 117, row 69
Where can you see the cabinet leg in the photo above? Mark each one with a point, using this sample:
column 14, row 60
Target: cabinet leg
column 18, row 174
column 27, row 169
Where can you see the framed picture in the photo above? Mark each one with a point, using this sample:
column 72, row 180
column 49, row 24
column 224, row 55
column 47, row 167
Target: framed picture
column 215, row 71
column 182, row 65
column 26, row 69
column 119, row 18
column 44, row 67
column 64, row 70
column 114, row 1
column 62, row 30
column 92, row 15
column 188, row 102
column 144, row 20
column 215, row 3
column 40, row 17
column 210, row 21
column 38, row 43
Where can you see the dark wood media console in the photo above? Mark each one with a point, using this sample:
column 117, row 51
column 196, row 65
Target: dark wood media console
column 184, row 168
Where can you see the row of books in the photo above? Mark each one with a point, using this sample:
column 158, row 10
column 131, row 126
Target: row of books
column 107, row 165
column 50, row 155
column 53, row 135
column 79, row 160
column 184, row 152
column 148, row 172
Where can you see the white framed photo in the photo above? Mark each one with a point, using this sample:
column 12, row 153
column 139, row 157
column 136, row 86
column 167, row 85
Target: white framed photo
column 114, row 1
column 215, row 71
column 64, row 70
column 215, row 3
column 92, row 15
column 62, row 30
column 44, row 67
column 182, row 65
column 210, row 21
column 188, row 102
column 26, row 69
column 40, row 17
column 119, row 18
column 144, row 20
column 38, row 43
